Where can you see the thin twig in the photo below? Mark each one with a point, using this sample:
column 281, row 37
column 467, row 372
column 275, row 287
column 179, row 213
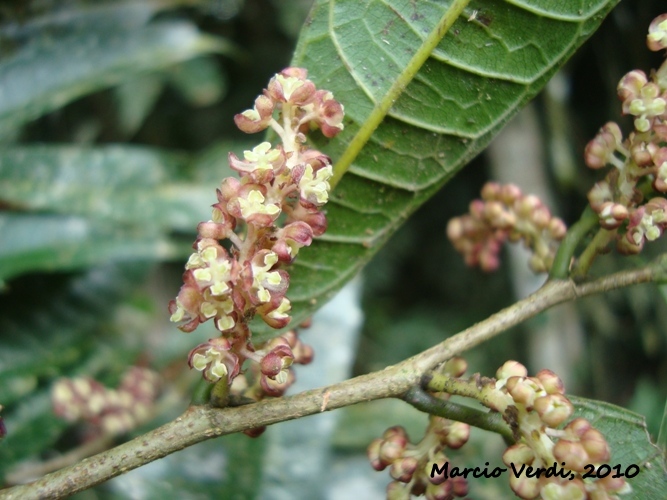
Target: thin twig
column 200, row 423
column 488, row 420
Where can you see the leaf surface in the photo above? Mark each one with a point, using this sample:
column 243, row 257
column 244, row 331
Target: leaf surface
column 121, row 184
column 421, row 100
column 52, row 242
column 630, row 445
column 60, row 65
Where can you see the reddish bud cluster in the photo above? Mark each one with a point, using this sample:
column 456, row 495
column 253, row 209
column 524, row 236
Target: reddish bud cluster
column 231, row 284
column 271, row 374
column 108, row 411
column 411, row 465
column 535, row 407
column 642, row 155
column 505, row 214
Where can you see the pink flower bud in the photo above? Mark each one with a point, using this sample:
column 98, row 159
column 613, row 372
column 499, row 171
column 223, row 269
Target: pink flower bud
column 612, row 214
column 392, row 449
column 522, row 391
column 574, row 490
column 557, row 229
column 510, row 369
column 572, row 453
column 613, row 484
column 477, row 208
column 256, row 119
column 277, row 359
column 596, row 446
column 442, row 491
column 578, row 427
column 641, row 155
column 657, row 33
column 518, row 454
column 524, row 486
column 255, row 431
column 292, row 89
column 630, row 86
column 396, row 432
column 458, row 435
column 600, row 149
column 554, row 409
column 440, row 461
column 298, row 232
column 456, row 366
column 491, row 191
column 313, row 217
column 331, row 118
column 509, row 194
column 527, row 205
column 213, row 230
column 373, row 453
column 303, row 353
column 229, row 190
column 600, row 193
column 299, row 73
column 551, row 382
column 397, row 491
column 459, row 486
column 403, row 469
column 277, row 387
column 627, row 246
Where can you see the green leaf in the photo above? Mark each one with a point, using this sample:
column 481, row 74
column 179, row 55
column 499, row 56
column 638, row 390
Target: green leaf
column 125, row 184
column 421, row 99
column 51, row 242
column 31, row 428
column 51, row 71
column 50, row 323
column 630, row 444
column 200, row 81
column 136, row 99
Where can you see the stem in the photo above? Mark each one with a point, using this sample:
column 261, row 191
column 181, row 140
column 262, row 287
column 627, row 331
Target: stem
column 586, row 223
column 276, row 127
column 32, row 470
column 487, row 420
column 594, row 248
column 200, row 423
column 220, row 393
column 202, row 392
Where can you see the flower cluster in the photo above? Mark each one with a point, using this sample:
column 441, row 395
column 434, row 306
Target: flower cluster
column 505, row 214
column 638, row 161
column 232, row 282
column 269, row 375
column 411, row 466
column 108, row 411
column 535, row 407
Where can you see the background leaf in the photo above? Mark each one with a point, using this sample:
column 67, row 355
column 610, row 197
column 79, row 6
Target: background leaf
column 122, row 184
column 52, row 327
column 492, row 61
column 98, row 48
column 52, row 242
column 630, row 445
